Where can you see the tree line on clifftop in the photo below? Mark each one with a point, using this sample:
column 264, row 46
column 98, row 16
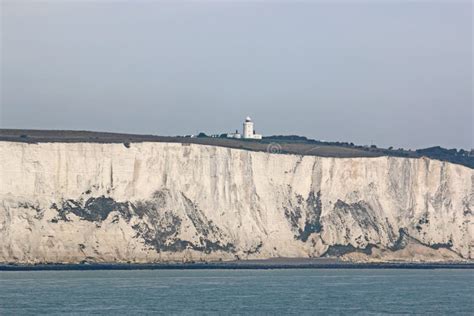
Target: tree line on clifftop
column 453, row 155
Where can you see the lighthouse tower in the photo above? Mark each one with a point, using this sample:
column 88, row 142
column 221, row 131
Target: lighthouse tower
column 248, row 128
column 249, row 132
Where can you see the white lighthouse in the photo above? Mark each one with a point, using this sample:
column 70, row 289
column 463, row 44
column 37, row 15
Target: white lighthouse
column 248, row 128
column 248, row 132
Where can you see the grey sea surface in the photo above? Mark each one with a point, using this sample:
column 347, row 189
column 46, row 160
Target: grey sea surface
column 274, row 291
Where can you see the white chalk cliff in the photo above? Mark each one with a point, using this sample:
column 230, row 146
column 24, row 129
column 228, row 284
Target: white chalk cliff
column 157, row 202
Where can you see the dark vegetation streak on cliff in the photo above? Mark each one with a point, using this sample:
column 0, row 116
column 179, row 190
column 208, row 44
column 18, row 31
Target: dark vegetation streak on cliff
column 158, row 227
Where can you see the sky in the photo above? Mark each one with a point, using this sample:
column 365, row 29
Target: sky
column 390, row 73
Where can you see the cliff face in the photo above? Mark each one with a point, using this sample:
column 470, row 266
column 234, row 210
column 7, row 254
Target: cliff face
column 149, row 202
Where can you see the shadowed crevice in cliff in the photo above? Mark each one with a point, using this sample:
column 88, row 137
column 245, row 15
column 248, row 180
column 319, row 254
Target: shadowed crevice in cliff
column 311, row 208
column 211, row 234
column 199, row 220
column 93, row 210
column 163, row 234
column 442, row 198
column 360, row 212
column 313, row 217
column 349, row 220
column 162, row 227
column 405, row 239
column 293, row 213
column 402, row 240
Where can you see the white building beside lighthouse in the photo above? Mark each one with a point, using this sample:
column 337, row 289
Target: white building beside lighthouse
column 248, row 131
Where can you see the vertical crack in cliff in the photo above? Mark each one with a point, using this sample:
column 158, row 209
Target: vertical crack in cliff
column 111, row 175
column 211, row 235
column 441, row 199
column 360, row 212
column 200, row 222
column 348, row 219
column 402, row 240
column 309, row 209
column 313, row 216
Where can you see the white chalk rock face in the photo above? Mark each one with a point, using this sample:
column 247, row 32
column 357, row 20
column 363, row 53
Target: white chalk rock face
column 159, row 202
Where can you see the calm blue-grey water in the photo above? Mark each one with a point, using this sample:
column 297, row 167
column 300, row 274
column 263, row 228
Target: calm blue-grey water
column 276, row 291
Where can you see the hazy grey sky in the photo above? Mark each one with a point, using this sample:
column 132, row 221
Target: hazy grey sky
column 394, row 74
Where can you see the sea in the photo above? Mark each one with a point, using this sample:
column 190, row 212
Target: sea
column 234, row 291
